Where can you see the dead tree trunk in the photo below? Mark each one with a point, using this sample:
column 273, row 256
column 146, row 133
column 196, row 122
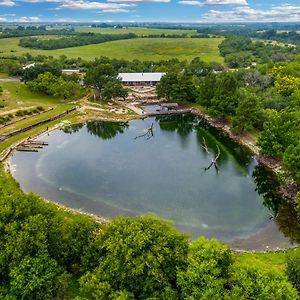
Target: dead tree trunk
column 149, row 133
column 213, row 159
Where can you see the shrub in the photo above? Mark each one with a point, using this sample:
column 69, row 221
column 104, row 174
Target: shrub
column 293, row 267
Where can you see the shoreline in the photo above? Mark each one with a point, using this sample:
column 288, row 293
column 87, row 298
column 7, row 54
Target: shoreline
column 261, row 241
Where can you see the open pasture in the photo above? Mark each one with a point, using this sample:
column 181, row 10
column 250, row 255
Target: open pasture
column 141, row 48
column 137, row 30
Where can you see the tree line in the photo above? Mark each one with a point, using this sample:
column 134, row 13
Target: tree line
column 46, row 252
column 74, row 41
column 285, row 33
column 21, row 31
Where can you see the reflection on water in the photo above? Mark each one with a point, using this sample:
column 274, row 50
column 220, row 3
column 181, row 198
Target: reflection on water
column 102, row 168
column 284, row 212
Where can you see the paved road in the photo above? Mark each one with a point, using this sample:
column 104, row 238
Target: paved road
column 10, row 80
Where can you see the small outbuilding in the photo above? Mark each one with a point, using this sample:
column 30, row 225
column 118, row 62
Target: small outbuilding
column 70, row 71
column 141, row 79
column 29, row 66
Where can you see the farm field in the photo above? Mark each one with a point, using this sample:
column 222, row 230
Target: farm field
column 137, row 30
column 140, row 48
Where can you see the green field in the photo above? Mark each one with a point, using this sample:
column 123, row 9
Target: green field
column 140, row 48
column 137, row 30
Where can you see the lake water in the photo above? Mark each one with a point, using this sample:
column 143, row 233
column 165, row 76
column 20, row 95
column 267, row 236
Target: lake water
column 112, row 169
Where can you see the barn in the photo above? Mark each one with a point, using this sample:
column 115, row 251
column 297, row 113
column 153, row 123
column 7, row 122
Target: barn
column 141, row 79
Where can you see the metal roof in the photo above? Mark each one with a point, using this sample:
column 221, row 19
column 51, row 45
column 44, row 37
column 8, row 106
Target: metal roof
column 140, row 77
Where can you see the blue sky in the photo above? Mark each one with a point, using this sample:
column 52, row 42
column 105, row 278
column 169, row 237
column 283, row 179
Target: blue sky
column 203, row 11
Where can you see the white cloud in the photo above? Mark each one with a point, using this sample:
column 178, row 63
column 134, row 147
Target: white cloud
column 7, row 3
column 214, row 2
column 278, row 13
column 85, row 5
column 3, row 19
column 28, row 19
column 140, row 1
column 114, row 10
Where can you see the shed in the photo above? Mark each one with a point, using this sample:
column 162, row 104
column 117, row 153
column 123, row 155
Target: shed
column 70, row 71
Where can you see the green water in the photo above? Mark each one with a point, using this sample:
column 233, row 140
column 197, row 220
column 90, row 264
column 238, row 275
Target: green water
column 111, row 169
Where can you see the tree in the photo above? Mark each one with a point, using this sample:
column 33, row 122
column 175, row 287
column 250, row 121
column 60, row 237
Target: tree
column 98, row 77
column 50, row 84
column 278, row 133
column 35, row 278
column 293, row 267
column 66, row 88
column 32, row 73
column 207, row 89
column 43, row 83
column 248, row 112
column 291, row 161
column 166, row 85
column 114, row 89
column 250, row 282
column 225, row 98
column 207, row 270
column 139, row 255
column 287, row 85
column 239, row 60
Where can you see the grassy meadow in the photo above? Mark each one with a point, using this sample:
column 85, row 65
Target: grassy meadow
column 140, row 48
column 137, row 30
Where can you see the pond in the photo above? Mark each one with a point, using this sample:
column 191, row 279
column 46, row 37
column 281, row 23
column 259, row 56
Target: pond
column 113, row 169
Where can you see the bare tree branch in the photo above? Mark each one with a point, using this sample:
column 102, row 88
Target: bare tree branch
column 149, row 133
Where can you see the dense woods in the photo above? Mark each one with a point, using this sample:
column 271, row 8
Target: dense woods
column 45, row 250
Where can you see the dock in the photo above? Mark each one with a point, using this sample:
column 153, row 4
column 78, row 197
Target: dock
column 31, row 146
column 168, row 112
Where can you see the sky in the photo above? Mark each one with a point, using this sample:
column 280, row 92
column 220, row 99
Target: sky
column 202, row 11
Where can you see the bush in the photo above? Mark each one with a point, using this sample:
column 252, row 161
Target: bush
column 252, row 283
column 207, row 271
column 293, row 267
column 139, row 256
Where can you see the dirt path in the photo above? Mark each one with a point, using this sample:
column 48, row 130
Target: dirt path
column 12, row 111
column 10, row 79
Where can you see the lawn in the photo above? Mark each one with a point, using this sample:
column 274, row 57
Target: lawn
column 264, row 260
column 16, row 96
column 140, row 48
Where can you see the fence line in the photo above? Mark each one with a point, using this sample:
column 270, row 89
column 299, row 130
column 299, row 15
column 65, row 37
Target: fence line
column 16, row 132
